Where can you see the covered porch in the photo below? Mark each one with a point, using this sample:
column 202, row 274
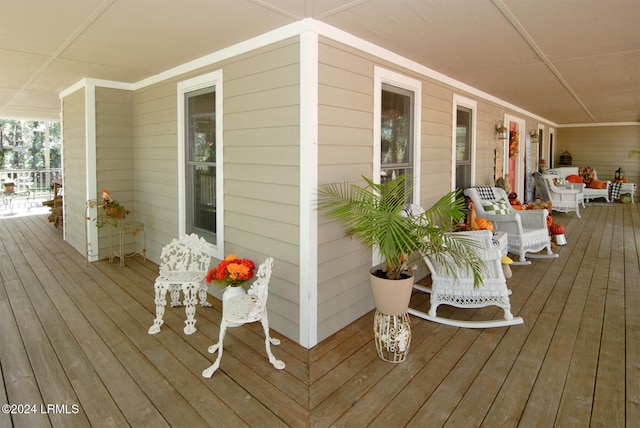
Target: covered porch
column 74, row 347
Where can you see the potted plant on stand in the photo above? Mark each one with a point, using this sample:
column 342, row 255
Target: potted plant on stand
column 376, row 216
column 112, row 211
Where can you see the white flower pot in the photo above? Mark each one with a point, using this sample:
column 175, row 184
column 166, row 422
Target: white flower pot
column 227, row 294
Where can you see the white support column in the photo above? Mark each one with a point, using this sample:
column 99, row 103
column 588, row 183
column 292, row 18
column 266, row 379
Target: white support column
column 308, row 186
column 91, row 179
column 47, row 156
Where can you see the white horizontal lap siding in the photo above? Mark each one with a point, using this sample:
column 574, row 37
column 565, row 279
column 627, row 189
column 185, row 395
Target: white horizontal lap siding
column 604, row 148
column 436, row 162
column 74, row 155
column 114, row 153
column 486, row 142
column 345, row 116
column 262, row 169
column 155, row 164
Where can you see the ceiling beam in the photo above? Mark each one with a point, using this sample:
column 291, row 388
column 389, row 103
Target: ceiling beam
column 506, row 12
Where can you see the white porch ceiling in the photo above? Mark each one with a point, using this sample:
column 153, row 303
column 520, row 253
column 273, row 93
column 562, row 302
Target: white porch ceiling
column 569, row 61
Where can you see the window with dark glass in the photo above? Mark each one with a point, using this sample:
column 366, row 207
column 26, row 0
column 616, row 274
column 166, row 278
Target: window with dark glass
column 200, row 168
column 463, row 147
column 396, row 132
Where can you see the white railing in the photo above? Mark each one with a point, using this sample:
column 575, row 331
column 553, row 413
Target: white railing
column 33, row 180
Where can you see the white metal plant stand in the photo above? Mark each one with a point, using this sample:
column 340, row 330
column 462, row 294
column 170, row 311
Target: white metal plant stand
column 392, row 335
column 124, row 228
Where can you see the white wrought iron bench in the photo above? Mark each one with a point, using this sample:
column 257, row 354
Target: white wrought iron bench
column 184, row 266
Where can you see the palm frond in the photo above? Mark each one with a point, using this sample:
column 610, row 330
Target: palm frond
column 373, row 214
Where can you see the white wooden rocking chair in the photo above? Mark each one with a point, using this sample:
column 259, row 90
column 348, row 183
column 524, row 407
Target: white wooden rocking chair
column 527, row 230
column 246, row 308
column 184, row 266
column 453, row 285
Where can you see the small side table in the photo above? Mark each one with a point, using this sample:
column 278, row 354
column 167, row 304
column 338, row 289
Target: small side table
column 501, row 240
column 124, row 228
column 629, row 188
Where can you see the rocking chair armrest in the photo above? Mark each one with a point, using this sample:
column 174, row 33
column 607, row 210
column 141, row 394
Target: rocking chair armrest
column 509, row 223
column 534, row 218
column 486, row 250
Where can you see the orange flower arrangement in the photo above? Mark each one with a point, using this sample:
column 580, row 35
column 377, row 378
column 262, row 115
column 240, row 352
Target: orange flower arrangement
column 513, row 143
column 232, row 271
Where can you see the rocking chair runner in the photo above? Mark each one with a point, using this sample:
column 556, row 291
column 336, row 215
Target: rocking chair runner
column 246, row 308
column 184, row 267
column 527, row 230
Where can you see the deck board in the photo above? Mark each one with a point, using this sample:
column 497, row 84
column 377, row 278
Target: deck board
column 75, row 332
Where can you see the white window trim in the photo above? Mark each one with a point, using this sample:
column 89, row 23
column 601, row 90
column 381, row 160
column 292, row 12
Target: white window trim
column 200, row 82
column 473, row 106
column 551, row 152
column 382, row 75
column 543, row 144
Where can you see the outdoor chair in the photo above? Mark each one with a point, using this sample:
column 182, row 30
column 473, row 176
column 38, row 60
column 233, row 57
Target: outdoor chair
column 247, row 308
column 184, row 266
column 562, row 199
column 526, row 229
column 590, row 192
column 453, row 285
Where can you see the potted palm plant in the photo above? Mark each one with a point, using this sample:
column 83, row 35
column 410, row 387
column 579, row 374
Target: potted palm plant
column 376, row 215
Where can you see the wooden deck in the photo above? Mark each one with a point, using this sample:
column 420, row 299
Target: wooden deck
column 74, row 348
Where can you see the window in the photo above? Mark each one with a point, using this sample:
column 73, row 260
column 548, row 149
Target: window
column 396, row 128
column 463, row 142
column 200, row 122
column 396, row 133
column 463, row 147
column 201, row 163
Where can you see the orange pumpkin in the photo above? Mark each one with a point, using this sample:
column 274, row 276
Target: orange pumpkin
column 557, row 229
column 484, row 224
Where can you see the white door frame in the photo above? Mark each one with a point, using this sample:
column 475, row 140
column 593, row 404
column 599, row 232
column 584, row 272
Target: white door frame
column 519, row 173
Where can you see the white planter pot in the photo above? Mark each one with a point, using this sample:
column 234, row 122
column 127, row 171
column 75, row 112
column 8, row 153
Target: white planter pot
column 228, row 293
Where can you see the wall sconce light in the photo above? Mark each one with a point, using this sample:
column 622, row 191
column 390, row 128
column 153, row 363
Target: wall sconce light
column 534, row 136
column 501, row 132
